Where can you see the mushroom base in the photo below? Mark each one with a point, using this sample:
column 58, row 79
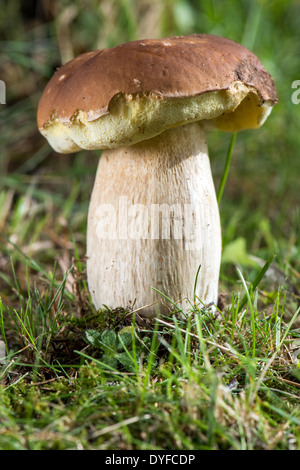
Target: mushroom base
column 153, row 220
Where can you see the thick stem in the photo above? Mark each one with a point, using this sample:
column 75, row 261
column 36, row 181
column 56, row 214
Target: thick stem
column 153, row 219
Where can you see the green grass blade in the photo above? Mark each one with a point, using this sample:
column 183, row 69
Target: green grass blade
column 257, row 279
column 226, row 169
column 251, row 311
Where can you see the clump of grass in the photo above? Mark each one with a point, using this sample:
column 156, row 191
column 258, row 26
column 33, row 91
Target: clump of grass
column 177, row 382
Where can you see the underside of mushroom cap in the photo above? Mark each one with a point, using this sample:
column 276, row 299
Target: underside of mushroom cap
column 120, row 96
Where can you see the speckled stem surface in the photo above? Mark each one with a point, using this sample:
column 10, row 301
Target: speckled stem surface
column 153, row 219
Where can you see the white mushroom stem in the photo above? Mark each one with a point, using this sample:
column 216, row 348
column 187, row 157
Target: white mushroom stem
column 153, row 219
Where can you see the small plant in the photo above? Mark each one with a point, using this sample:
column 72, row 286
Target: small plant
column 123, row 348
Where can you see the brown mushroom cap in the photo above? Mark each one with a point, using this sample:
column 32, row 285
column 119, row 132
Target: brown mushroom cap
column 120, row 96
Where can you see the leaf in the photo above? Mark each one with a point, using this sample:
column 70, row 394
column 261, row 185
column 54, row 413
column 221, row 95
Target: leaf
column 110, row 360
column 236, row 253
column 125, row 338
column 109, row 339
column 126, row 361
column 93, row 338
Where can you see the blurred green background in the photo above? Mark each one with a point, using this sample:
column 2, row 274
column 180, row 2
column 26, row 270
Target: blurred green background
column 44, row 196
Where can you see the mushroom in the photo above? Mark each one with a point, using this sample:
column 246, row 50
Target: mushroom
column 153, row 216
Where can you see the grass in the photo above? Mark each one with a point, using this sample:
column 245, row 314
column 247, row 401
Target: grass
column 197, row 383
column 75, row 378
